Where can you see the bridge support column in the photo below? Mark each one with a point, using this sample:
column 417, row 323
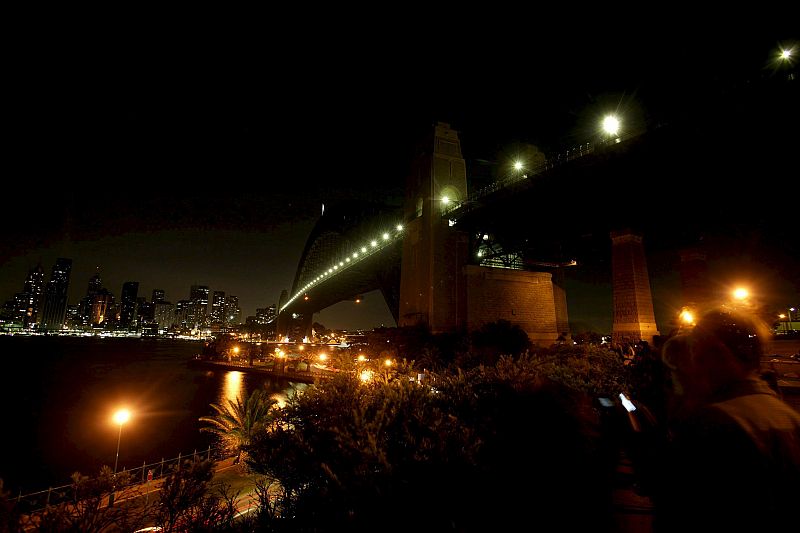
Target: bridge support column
column 634, row 319
column 432, row 283
column 560, row 301
column 526, row 299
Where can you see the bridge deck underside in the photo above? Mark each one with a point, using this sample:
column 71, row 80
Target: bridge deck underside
column 374, row 273
column 670, row 186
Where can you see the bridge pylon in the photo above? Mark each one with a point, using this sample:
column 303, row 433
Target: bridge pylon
column 432, row 281
column 634, row 318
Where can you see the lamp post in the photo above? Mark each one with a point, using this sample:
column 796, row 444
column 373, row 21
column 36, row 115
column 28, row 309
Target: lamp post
column 740, row 294
column 120, row 417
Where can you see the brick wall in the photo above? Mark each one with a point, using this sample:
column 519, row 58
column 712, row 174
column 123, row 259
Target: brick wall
column 523, row 298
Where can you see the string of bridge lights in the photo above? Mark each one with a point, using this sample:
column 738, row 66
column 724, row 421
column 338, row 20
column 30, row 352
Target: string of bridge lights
column 610, row 126
column 348, row 260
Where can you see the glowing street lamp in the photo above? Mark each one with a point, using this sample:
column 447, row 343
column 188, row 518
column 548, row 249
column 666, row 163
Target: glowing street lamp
column 120, row 417
column 517, row 165
column 740, row 294
column 687, row 317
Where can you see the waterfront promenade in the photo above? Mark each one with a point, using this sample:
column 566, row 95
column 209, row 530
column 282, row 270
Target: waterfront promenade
column 310, row 375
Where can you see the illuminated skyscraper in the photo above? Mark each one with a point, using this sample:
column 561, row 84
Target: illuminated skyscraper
column 130, row 290
column 198, row 295
column 218, row 317
column 233, row 315
column 34, row 288
column 55, row 296
column 102, row 309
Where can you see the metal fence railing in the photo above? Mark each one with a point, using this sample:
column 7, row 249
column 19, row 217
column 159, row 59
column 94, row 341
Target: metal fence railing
column 571, row 154
column 35, row 501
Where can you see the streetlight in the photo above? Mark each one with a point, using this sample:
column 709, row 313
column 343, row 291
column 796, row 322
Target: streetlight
column 120, row 417
column 687, row 317
column 740, row 293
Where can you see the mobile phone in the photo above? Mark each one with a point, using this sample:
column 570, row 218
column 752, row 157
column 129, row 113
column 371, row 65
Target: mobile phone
column 627, row 403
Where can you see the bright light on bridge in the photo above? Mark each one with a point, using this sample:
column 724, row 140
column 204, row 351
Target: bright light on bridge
column 349, row 258
column 445, row 200
column 611, row 124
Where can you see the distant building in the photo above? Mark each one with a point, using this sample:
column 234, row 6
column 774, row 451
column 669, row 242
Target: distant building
column 184, row 313
column 55, row 296
column 218, row 317
column 73, row 318
column 128, row 297
column 198, row 295
column 164, row 315
column 85, row 304
column 233, row 314
column 22, row 310
column 102, row 309
column 158, row 296
column 144, row 311
column 265, row 315
column 34, row 289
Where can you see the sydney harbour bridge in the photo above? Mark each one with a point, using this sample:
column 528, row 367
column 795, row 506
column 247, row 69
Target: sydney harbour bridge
column 453, row 257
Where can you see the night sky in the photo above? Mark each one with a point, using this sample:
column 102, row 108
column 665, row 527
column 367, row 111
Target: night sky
column 206, row 161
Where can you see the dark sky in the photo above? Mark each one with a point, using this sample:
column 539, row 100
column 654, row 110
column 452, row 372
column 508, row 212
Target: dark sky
column 204, row 160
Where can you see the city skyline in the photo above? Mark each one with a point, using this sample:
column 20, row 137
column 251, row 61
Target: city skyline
column 207, row 183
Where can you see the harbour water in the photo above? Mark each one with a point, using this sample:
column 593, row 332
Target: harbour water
column 59, row 393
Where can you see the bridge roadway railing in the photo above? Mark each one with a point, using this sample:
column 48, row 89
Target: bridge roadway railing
column 36, row 501
column 560, row 159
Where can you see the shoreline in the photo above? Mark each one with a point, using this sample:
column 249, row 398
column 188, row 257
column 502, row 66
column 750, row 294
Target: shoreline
column 298, row 376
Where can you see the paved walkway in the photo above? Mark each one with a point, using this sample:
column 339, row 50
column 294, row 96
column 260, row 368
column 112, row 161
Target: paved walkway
column 633, row 513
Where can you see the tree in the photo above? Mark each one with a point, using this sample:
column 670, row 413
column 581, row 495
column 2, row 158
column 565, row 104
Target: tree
column 499, row 338
column 480, row 450
column 183, row 490
column 238, row 421
column 88, row 510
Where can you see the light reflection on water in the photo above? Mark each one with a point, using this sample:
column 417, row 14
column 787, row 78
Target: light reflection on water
column 69, row 387
column 236, row 384
column 233, row 387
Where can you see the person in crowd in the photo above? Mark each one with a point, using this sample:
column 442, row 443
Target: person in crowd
column 731, row 461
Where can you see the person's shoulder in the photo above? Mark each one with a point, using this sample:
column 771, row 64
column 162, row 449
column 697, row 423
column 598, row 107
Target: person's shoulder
column 758, row 412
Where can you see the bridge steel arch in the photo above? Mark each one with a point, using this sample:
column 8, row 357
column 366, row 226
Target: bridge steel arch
column 342, row 231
